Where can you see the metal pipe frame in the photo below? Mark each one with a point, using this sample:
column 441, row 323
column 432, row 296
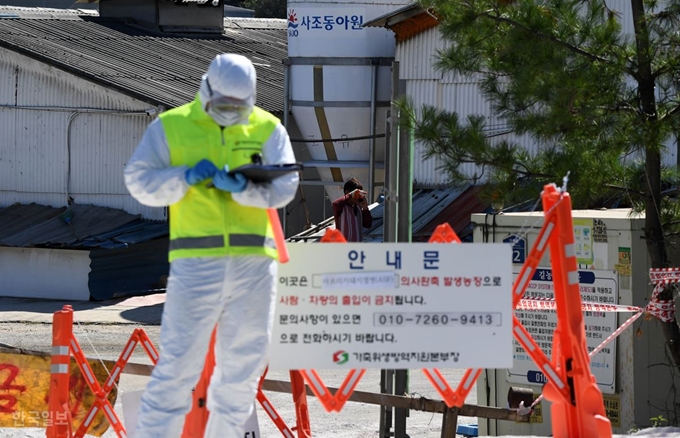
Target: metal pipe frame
column 323, row 60
column 340, row 103
column 286, row 96
column 371, row 141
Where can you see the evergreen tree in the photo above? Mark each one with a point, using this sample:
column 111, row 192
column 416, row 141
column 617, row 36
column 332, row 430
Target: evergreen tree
column 601, row 101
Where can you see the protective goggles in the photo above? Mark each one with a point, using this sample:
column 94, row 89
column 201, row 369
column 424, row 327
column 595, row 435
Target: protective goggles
column 225, row 104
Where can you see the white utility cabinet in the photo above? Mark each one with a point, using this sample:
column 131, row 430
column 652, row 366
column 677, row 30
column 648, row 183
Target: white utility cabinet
column 632, row 372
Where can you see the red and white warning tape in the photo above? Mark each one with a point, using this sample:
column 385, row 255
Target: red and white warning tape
column 662, row 309
column 664, row 275
column 549, row 304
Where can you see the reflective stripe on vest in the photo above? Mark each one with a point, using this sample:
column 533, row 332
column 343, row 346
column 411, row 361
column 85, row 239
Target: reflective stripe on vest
column 218, row 241
column 251, row 240
column 197, row 242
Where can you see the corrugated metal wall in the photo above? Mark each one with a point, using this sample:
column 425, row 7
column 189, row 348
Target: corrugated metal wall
column 427, row 85
column 64, row 136
column 624, row 12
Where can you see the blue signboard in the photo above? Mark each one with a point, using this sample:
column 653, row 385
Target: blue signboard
column 536, row 377
column 519, row 248
column 584, row 277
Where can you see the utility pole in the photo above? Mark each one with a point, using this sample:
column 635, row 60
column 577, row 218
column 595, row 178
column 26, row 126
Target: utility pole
column 404, row 227
column 390, row 223
column 397, row 228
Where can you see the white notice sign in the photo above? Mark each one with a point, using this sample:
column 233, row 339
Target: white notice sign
column 394, row 305
column 596, row 286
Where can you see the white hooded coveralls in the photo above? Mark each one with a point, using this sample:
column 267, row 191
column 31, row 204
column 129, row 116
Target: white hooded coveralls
column 238, row 293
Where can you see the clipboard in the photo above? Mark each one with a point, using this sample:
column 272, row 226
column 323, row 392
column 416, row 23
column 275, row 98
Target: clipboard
column 264, row 173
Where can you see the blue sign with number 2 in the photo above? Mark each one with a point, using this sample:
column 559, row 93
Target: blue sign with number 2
column 519, row 248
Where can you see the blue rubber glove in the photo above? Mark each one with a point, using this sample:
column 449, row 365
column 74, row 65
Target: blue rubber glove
column 203, row 170
column 234, row 184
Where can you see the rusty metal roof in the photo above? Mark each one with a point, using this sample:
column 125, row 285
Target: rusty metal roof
column 158, row 68
column 397, row 16
column 406, row 22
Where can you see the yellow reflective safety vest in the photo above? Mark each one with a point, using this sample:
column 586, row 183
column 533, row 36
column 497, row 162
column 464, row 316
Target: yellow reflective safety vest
column 207, row 222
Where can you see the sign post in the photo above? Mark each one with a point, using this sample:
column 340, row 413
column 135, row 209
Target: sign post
column 396, row 305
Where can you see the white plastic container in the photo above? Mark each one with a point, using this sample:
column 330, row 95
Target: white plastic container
column 328, row 37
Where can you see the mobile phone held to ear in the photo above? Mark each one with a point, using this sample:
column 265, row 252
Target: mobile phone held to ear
column 358, row 194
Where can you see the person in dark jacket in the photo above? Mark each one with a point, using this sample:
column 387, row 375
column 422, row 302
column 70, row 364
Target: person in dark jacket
column 351, row 211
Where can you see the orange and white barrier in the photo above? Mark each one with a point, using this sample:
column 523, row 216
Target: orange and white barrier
column 578, row 406
column 65, row 344
column 62, row 332
column 138, row 336
column 335, row 401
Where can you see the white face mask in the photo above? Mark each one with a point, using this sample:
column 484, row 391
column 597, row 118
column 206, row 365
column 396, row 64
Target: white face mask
column 225, row 118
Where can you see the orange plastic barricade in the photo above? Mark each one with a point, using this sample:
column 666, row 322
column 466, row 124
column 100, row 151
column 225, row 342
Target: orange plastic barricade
column 583, row 413
column 100, row 402
column 138, row 336
column 457, row 398
column 197, row 419
column 299, row 391
column 520, row 333
column 334, row 402
column 64, row 343
column 62, row 328
column 578, row 406
column 279, row 237
column 275, row 417
column 445, row 234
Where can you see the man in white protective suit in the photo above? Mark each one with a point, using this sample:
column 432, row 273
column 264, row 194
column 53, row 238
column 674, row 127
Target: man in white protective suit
column 222, row 254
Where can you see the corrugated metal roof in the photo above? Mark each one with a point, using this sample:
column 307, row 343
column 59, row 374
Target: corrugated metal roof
column 458, row 214
column 430, row 208
column 75, row 227
column 30, row 9
column 158, row 68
